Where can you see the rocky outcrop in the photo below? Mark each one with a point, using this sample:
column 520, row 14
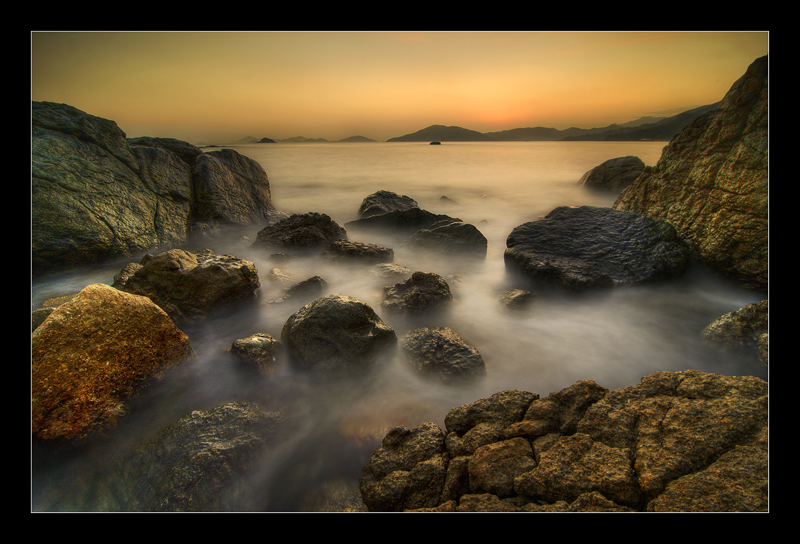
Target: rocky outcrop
column 189, row 286
column 614, row 174
column 677, row 441
column 83, row 168
column 580, row 248
column 440, row 352
column 301, row 232
column 92, row 354
column 381, row 202
column 423, row 292
column 336, row 336
column 712, row 183
column 207, row 461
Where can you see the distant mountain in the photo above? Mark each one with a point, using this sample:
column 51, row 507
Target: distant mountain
column 265, row 141
column 357, row 139
column 302, row 139
column 442, row 133
column 246, row 140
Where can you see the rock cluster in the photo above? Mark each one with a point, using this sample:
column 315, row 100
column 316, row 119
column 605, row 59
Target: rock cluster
column 681, row 441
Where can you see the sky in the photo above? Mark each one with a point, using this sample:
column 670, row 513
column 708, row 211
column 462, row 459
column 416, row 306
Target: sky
column 219, row 87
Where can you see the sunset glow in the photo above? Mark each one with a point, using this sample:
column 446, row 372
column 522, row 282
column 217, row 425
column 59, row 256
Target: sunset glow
column 219, row 87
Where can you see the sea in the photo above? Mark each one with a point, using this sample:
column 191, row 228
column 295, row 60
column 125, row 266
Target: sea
column 614, row 338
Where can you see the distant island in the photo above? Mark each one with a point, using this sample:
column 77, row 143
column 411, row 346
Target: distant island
column 644, row 128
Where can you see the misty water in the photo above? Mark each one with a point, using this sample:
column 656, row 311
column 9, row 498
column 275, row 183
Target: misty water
column 614, row 338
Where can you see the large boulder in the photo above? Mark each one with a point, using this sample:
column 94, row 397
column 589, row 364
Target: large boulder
column 423, row 292
column 96, row 195
column 381, row 202
column 189, row 286
column 614, row 174
column 450, row 238
column 336, row 336
column 303, row 232
column 712, row 183
column 403, row 221
column 580, row 248
column 92, row 354
column 207, row 461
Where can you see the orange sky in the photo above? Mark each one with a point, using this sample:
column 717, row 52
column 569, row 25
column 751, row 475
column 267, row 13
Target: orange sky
column 217, row 87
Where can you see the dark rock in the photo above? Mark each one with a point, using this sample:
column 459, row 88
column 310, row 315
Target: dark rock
column 311, row 288
column 421, row 293
column 450, row 238
column 385, row 201
column 92, row 354
column 740, row 329
column 187, row 152
column 188, row 286
column 712, row 183
column 337, row 335
column 309, row 231
column 587, row 247
column 517, row 298
column 614, row 174
column 257, row 350
column 358, row 252
column 208, row 461
column 402, row 221
column 440, row 352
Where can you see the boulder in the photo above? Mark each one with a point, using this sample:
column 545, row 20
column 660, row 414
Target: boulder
column 440, row 352
column 337, row 336
column 305, row 232
column 614, row 174
column 207, row 461
column 712, row 183
column 421, row 293
column 400, row 221
column 92, row 354
column 517, row 299
column 450, row 238
column 83, row 169
column 677, row 441
column 745, row 329
column 258, row 351
column 358, row 252
column 311, row 288
column 385, row 201
column 189, row 286
column 586, row 247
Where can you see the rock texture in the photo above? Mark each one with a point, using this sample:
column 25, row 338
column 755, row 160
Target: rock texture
column 712, row 183
column 381, row 202
column 336, row 336
column 358, row 252
column 423, row 292
column 83, row 168
column 92, row 354
column 451, row 238
column 441, row 352
column 677, row 441
column 745, row 329
column 580, row 248
column 258, row 351
column 614, row 174
column 189, row 286
column 303, row 232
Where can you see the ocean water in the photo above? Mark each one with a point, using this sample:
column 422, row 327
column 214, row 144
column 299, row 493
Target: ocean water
column 614, row 338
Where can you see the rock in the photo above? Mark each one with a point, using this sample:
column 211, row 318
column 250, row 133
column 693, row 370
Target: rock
column 440, row 352
column 401, row 221
column 309, row 231
column 580, row 248
column 421, row 293
column 189, row 286
column 517, row 299
column 391, row 271
column 257, row 350
column 741, row 329
column 336, row 336
column 712, row 183
column 357, row 252
column 83, row 167
column 614, row 174
column 385, row 201
column 450, row 238
column 677, row 441
column 311, row 288
column 407, row 471
column 207, row 461
column 92, row 354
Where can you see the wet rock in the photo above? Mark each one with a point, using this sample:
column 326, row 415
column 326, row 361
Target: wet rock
column 421, row 293
column 187, row 285
column 517, row 299
column 391, row 271
column 308, row 231
column 741, row 330
column 207, row 461
column 381, row 202
column 337, row 335
column 358, row 252
column 440, row 352
column 92, row 354
column 257, row 350
column 399, row 221
column 580, row 248
column 614, row 174
column 451, row 238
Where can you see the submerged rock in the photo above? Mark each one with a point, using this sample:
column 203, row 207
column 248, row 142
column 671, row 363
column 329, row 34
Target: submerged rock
column 440, row 352
column 257, row 350
column 358, row 252
column 614, row 174
column 745, row 329
column 580, row 248
column 450, row 238
column 421, row 293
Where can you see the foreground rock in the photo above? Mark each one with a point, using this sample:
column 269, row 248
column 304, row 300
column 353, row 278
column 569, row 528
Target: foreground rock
column 305, row 232
column 614, row 174
column 580, row 248
column 441, row 352
column 189, row 286
column 208, row 461
column 423, row 292
column 83, row 168
column 677, row 441
column 712, row 183
column 337, row 336
column 92, row 354
column 258, row 351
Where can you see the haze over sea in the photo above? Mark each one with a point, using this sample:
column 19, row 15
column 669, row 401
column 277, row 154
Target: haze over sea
column 614, row 338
